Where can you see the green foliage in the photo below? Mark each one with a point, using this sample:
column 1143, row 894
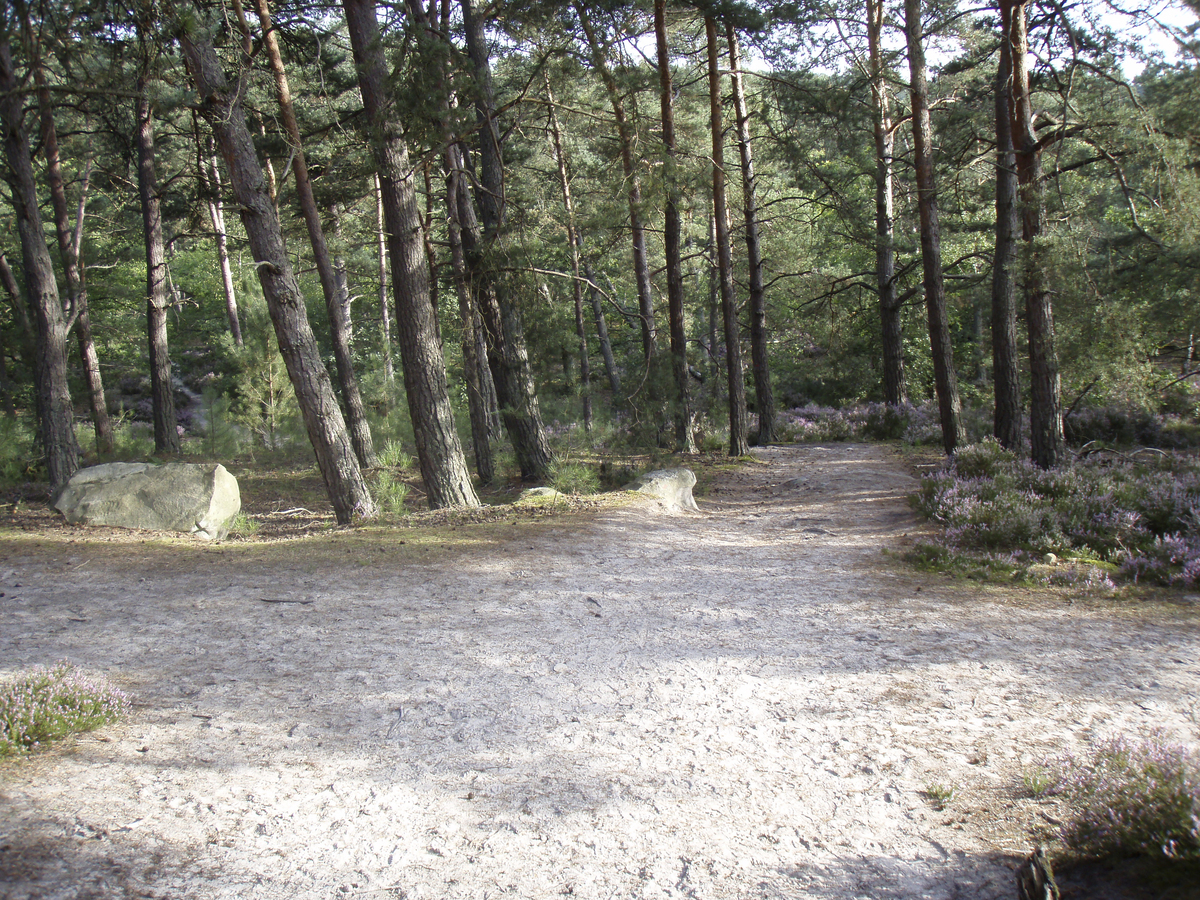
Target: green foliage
column 941, row 795
column 44, row 704
column 243, row 525
column 394, row 456
column 389, row 493
column 17, row 456
column 574, row 478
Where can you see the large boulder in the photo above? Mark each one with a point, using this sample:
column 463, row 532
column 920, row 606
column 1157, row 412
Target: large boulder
column 672, row 486
column 194, row 498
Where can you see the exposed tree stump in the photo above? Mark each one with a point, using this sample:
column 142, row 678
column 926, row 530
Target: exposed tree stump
column 1035, row 879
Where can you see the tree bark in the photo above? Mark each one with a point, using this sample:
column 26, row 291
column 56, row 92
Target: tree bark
column 575, row 246
column 637, row 227
column 606, row 351
column 208, row 174
column 507, row 353
column 339, row 324
column 685, row 441
column 1005, row 362
column 385, row 319
column 69, row 241
column 895, row 391
column 764, row 396
column 56, row 426
column 739, row 444
column 162, row 392
column 439, row 452
column 314, row 392
column 945, row 379
column 474, row 365
column 1047, row 444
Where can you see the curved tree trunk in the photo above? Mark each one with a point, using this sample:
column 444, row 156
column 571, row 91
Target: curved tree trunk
column 439, row 451
column 739, row 444
column 55, row 413
column 1005, row 362
column 339, row 325
column 314, row 391
column 685, row 441
column 895, row 391
column 945, row 379
column 760, row 364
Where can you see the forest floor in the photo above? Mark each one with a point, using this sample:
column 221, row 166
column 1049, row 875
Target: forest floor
column 610, row 702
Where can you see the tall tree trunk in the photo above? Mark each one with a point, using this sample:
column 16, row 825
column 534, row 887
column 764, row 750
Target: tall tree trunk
column 626, row 138
column 1046, row 440
column 69, row 244
column 208, row 174
column 443, row 465
column 714, row 314
column 606, row 351
column 474, row 365
column 895, row 391
column 385, row 319
column 339, row 324
column 55, row 413
column 1005, row 362
column 314, row 392
column 764, row 397
column 945, row 379
column 739, row 444
column 575, row 243
column 508, row 355
column 162, row 391
column 685, row 441
column 69, row 240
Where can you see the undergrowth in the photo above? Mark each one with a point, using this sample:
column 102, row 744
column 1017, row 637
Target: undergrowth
column 44, row 704
column 1134, row 516
column 1127, row 798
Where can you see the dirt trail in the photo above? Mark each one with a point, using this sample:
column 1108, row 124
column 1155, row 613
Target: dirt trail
column 747, row 703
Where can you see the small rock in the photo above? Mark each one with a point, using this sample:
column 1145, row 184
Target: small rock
column 1049, row 559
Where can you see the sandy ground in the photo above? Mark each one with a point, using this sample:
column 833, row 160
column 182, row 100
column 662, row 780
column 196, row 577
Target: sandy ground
column 750, row 702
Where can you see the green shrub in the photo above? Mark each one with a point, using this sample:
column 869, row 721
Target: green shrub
column 394, row 456
column 390, row 494
column 44, row 704
column 573, row 478
column 983, row 460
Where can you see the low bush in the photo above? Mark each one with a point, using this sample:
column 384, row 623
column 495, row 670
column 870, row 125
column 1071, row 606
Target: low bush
column 44, row 704
column 1128, row 798
column 1140, row 514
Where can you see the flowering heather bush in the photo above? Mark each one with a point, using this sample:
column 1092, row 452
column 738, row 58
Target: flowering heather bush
column 870, row 421
column 1130, row 798
column 43, row 704
column 1141, row 514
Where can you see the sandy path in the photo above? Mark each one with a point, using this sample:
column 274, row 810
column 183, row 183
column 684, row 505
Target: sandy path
column 746, row 703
